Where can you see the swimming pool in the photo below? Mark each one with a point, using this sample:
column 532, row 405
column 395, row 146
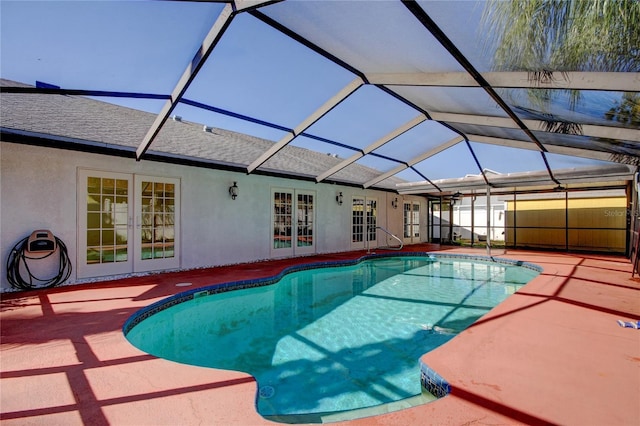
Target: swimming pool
column 329, row 338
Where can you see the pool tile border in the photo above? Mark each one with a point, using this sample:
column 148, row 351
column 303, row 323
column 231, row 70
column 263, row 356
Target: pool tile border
column 432, row 382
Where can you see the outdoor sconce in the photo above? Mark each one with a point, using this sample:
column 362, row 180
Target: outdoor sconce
column 456, row 197
column 339, row 198
column 394, row 203
column 233, row 191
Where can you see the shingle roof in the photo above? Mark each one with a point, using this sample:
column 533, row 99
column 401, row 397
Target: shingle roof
column 88, row 121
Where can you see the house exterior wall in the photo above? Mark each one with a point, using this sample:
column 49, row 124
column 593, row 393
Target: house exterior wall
column 463, row 223
column 38, row 190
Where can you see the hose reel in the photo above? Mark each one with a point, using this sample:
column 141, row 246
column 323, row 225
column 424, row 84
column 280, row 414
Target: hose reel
column 40, row 243
column 32, row 251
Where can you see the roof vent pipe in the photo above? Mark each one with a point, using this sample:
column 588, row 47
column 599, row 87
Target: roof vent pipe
column 208, row 129
column 177, row 118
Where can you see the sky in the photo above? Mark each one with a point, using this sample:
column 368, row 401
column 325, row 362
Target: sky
column 254, row 71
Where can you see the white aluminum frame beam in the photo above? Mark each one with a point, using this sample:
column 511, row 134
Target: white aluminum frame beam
column 210, row 41
column 415, row 160
column 308, row 122
column 551, row 149
column 242, row 5
column 609, row 132
column 572, row 80
column 377, row 144
column 606, row 175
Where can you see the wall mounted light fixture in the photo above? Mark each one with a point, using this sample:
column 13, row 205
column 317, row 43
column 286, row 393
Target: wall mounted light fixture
column 456, row 197
column 339, row 198
column 394, row 203
column 233, row 191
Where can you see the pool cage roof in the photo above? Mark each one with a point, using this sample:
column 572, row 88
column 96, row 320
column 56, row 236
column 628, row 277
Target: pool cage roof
column 394, row 95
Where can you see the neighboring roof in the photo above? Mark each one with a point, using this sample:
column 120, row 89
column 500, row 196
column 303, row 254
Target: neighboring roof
column 584, row 178
column 360, row 61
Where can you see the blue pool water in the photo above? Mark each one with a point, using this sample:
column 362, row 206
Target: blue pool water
column 331, row 339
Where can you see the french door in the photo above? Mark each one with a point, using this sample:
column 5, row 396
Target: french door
column 127, row 223
column 364, row 220
column 292, row 222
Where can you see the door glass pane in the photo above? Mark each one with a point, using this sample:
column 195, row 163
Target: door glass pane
column 406, row 220
column 415, row 220
column 147, row 189
column 157, row 235
column 305, row 220
column 372, row 215
column 146, row 221
column 282, row 219
column 433, row 221
column 108, row 186
column 107, row 214
column 93, row 185
column 357, row 220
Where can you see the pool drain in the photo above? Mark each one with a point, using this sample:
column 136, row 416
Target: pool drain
column 267, row 392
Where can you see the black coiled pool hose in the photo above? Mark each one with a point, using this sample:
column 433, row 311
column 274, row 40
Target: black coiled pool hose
column 19, row 257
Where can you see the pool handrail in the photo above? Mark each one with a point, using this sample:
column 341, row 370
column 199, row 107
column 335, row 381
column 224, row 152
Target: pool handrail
column 385, row 230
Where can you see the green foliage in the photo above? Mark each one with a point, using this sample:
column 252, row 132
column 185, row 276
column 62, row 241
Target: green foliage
column 564, row 35
column 548, row 38
column 627, row 111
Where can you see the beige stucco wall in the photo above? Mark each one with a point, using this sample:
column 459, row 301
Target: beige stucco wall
column 38, row 190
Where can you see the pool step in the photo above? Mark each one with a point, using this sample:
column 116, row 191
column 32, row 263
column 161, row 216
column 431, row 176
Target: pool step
column 423, row 398
column 331, row 417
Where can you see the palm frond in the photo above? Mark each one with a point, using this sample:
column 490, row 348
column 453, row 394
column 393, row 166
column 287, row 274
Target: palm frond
column 549, row 38
column 545, row 77
column 625, row 159
column 562, row 127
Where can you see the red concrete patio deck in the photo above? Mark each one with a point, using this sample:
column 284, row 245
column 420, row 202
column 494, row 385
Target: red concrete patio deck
column 550, row 354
